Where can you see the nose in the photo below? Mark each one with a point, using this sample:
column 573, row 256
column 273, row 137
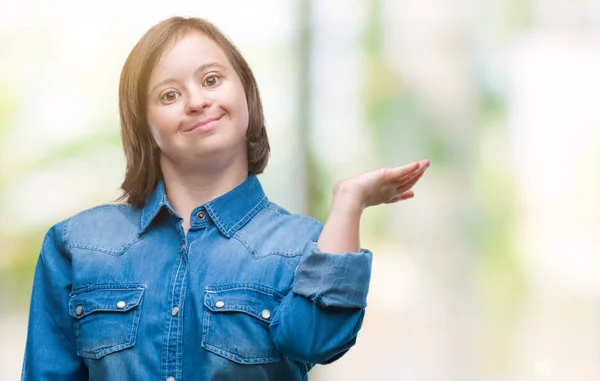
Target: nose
column 197, row 100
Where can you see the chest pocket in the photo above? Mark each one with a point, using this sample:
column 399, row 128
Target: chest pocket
column 236, row 323
column 106, row 318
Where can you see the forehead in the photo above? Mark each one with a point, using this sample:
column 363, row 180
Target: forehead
column 186, row 52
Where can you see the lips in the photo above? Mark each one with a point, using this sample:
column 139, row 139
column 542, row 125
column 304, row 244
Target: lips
column 202, row 124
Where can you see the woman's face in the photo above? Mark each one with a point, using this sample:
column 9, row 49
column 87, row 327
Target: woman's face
column 197, row 109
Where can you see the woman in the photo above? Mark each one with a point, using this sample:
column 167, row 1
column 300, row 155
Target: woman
column 198, row 276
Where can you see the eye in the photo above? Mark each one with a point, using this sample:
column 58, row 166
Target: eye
column 212, row 80
column 170, row 96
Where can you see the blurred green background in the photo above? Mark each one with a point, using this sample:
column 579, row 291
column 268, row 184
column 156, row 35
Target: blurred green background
column 490, row 273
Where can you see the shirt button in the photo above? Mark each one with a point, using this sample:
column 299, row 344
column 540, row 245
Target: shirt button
column 220, row 304
column 175, row 311
column 265, row 314
column 200, row 215
column 121, row 304
column 171, row 378
column 78, row 310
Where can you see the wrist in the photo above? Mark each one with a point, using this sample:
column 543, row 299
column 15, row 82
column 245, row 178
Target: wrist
column 346, row 200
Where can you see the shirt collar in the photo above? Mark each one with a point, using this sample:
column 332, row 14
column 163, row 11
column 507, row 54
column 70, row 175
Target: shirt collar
column 229, row 212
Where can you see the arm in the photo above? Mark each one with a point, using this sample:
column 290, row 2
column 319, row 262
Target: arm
column 51, row 352
column 352, row 196
column 318, row 321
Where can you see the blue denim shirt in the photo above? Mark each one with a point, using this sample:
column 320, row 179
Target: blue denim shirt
column 123, row 293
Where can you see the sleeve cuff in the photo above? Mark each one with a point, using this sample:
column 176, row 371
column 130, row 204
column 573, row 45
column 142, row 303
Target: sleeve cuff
column 334, row 280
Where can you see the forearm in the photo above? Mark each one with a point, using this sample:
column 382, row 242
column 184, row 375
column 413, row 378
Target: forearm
column 325, row 310
column 308, row 333
column 318, row 321
column 340, row 233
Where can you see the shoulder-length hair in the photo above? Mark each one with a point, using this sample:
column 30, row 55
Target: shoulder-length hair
column 142, row 171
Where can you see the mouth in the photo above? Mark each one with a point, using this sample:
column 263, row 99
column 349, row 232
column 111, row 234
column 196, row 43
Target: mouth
column 204, row 125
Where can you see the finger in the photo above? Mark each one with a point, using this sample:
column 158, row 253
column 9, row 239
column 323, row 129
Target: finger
column 396, row 173
column 402, row 196
column 410, row 176
column 408, row 185
column 424, row 163
column 413, row 176
column 416, row 177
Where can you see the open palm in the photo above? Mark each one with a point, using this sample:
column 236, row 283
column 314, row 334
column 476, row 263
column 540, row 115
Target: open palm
column 384, row 185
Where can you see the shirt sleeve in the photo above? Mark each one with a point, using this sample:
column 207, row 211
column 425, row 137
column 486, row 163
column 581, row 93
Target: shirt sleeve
column 50, row 351
column 318, row 321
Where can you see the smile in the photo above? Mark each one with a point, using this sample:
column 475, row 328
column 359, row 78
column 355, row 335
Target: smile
column 204, row 125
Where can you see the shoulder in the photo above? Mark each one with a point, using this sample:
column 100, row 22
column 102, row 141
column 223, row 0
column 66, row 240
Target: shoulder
column 277, row 231
column 107, row 227
column 282, row 219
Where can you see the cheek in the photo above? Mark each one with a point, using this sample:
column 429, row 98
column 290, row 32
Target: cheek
column 154, row 129
column 161, row 123
column 245, row 115
column 234, row 101
column 242, row 111
column 156, row 135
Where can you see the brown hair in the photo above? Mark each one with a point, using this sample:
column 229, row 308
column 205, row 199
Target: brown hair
column 143, row 169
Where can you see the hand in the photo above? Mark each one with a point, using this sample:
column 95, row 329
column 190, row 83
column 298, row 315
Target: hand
column 381, row 186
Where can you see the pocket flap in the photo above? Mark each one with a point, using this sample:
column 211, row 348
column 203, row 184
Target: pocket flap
column 258, row 302
column 86, row 301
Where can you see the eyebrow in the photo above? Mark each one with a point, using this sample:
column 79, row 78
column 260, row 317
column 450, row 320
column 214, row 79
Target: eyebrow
column 200, row 69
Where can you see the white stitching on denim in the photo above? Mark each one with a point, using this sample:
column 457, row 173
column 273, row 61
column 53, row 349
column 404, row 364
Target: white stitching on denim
column 145, row 221
column 240, row 238
column 215, row 218
column 196, row 240
column 102, row 351
column 243, row 220
column 287, row 254
column 108, row 286
column 180, row 320
column 135, row 315
column 171, row 318
column 114, row 253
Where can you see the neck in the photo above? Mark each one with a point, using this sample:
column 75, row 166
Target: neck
column 187, row 190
